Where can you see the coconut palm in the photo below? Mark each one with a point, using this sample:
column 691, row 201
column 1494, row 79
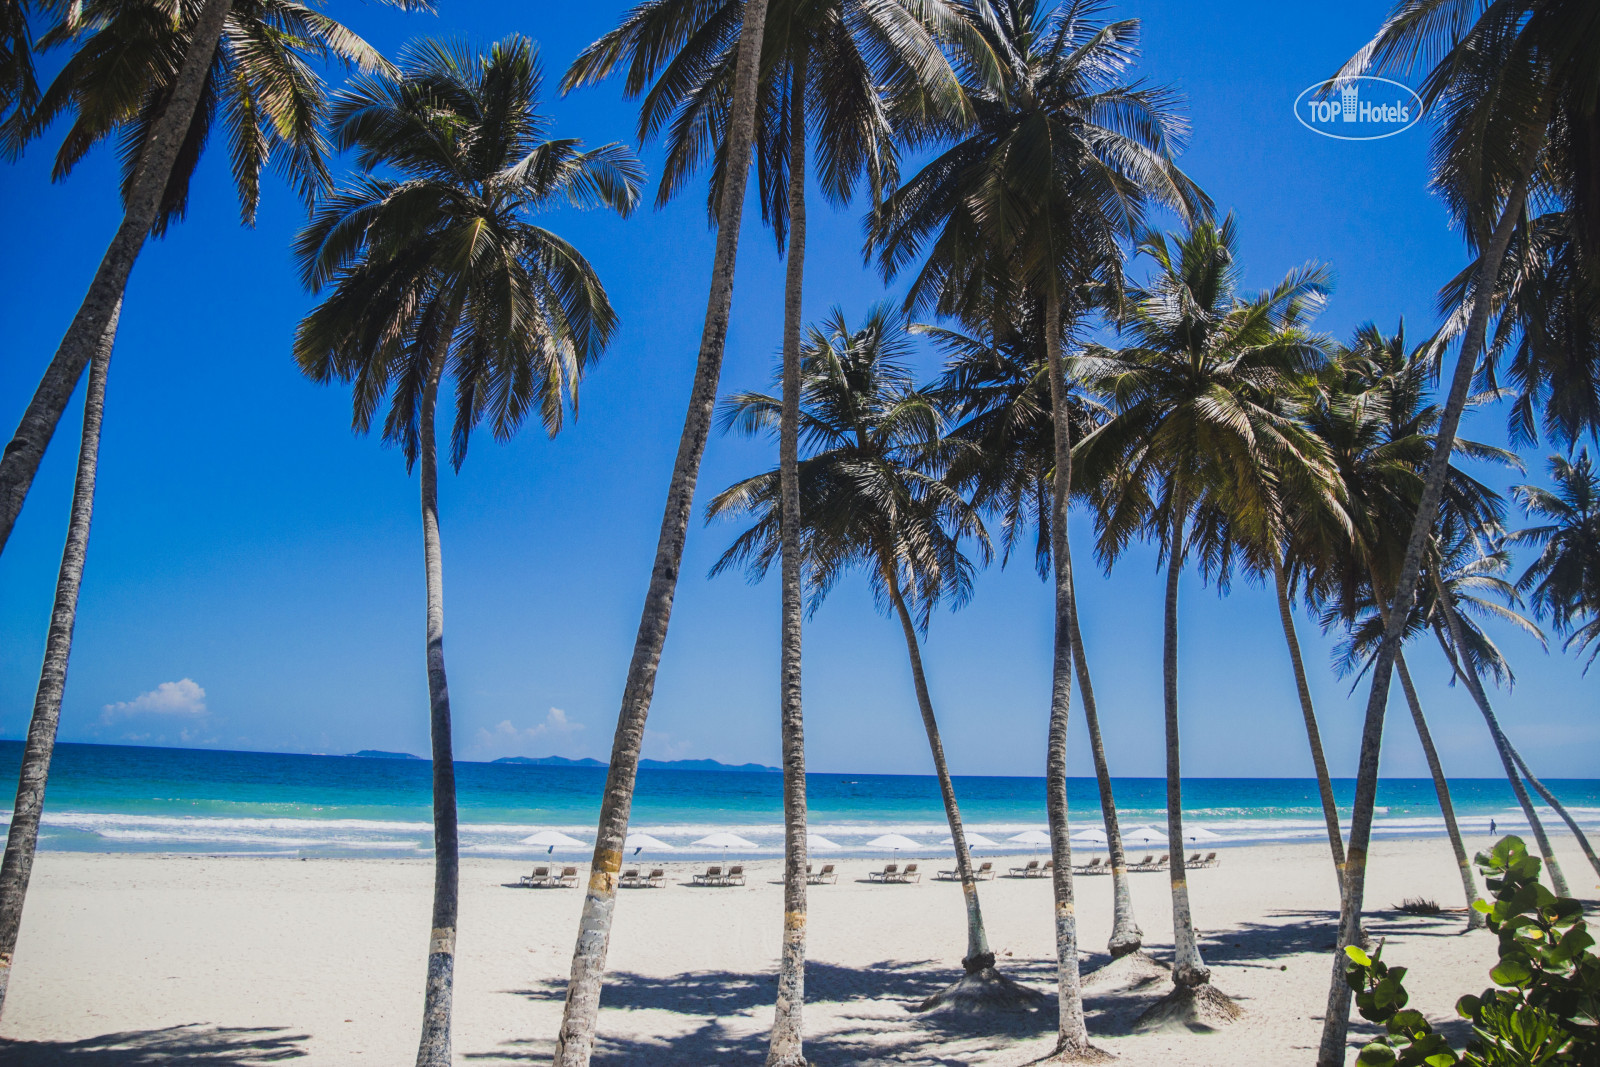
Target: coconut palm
column 1564, row 581
column 742, row 29
column 868, row 500
column 842, row 75
column 1057, row 166
column 22, row 836
column 432, row 266
column 157, row 80
column 1199, row 432
column 19, row 86
column 1513, row 87
column 997, row 392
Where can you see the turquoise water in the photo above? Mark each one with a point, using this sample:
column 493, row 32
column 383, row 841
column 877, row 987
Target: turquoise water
column 108, row 798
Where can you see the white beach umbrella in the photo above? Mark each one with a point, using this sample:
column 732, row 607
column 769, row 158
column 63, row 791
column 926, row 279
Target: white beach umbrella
column 973, row 841
column 1199, row 833
column 1090, row 837
column 1030, row 837
column 642, row 841
column 893, row 841
column 1145, row 837
column 724, row 840
column 554, row 839
column 818, row 843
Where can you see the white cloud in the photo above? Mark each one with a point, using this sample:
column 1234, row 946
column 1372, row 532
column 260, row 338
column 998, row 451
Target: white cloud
column 181, row 698
column 507, row 735
column 658, row 745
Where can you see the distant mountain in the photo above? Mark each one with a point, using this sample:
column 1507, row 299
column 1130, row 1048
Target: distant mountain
column 644, row 764
column 549, row 761
column 373, row 753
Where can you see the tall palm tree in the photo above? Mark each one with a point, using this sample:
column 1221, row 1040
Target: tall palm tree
column 1564, row 581
column 742, row 29
column 433, row 266
column 1514, row 86
column 869, row 500
column 1056, row 168
column 158, row 79
column 22, row 836
column 998, row 394
column 843, row 75
column 1199, row 431
column 19, row 86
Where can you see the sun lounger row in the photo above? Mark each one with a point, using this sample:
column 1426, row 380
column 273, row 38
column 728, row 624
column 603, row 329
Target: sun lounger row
column 981, row 873
column 717, row 876
column 632, row 879
column 893, row 872
column 543, row 878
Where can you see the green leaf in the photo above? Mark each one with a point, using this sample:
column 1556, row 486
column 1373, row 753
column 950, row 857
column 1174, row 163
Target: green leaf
column 1375, row 1055
column 1355, row 953
column 1510, row 971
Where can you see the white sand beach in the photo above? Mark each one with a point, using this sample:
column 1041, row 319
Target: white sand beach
column 151, row 959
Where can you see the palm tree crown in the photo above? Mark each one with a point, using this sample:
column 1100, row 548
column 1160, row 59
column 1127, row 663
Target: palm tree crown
column 1564, row 581
column 445, row 249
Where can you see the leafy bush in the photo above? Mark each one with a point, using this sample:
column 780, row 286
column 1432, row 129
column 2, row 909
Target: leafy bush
column 1544, row 1007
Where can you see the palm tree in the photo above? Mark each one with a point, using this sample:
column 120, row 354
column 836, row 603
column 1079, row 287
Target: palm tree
column 1564, row 581
column 19, row 87
column 843, row 74
column 575, row 1040
column 22, row 836
column 1199, row 433
column 439, row 270
column 1056, row 167
column 998, row 393
column 867, row 500
column 1510, row 82
column 157, row 83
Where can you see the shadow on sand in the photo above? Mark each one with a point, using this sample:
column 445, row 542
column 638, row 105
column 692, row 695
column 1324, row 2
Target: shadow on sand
column 209, row 1046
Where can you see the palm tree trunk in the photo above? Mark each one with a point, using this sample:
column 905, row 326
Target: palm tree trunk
column 1330, row 809
column 1550, row 798
column 434, row 1048
column 23, row 835
column 1072, row 1033
column 978, row 957
column 1336, row 1019
column 1441, row 787
column 1188, row 969
column 1469, row 678
column 97, row 315
column 575, row 1040
column 786, row 1048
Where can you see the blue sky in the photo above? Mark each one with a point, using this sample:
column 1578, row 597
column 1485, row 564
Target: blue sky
column 255, row 574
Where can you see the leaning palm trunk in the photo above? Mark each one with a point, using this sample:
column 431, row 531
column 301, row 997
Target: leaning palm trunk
column 1441, row 788
column 433, row 1050
column 575, row 1040
column 1336, row 1019
column 1072, row 1033
column 786, row 1048
column 23, row 836
column 1330, row 809
column 94, row 326
column 1450, row 640
column 1560, row 809
column 1193, row 997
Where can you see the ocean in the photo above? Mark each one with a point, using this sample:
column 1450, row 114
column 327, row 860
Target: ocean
column 107, row 798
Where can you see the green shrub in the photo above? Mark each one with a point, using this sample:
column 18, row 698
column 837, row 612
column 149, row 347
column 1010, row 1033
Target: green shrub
column 1544, row 1007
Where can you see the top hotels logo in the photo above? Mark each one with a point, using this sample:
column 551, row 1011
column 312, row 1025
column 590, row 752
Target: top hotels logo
column 1362, row 108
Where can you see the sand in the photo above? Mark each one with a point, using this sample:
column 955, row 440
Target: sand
column 147, row 959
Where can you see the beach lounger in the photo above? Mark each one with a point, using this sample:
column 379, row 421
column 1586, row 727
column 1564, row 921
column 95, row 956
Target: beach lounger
column 890, row 872
column 1092, row 867
column 1049, row 865
column 566, row 879
column 631, row 879
column 657, row 879
column 539, row 879
column 985, row 870
column 713, row 876
column 1026, row 872
column 1161, row 864
column 827, row 874
column 735, row 876
column 1193, row 861
column 910, row 874
column 1210, row 860
column 1146, row 864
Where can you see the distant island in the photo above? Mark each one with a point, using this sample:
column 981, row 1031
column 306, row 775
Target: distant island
column 644, row 764
column 373, row 753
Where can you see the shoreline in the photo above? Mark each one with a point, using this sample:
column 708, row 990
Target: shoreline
column 247, row 959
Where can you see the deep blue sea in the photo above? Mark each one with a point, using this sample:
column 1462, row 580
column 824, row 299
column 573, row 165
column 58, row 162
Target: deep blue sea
column 107, row 798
